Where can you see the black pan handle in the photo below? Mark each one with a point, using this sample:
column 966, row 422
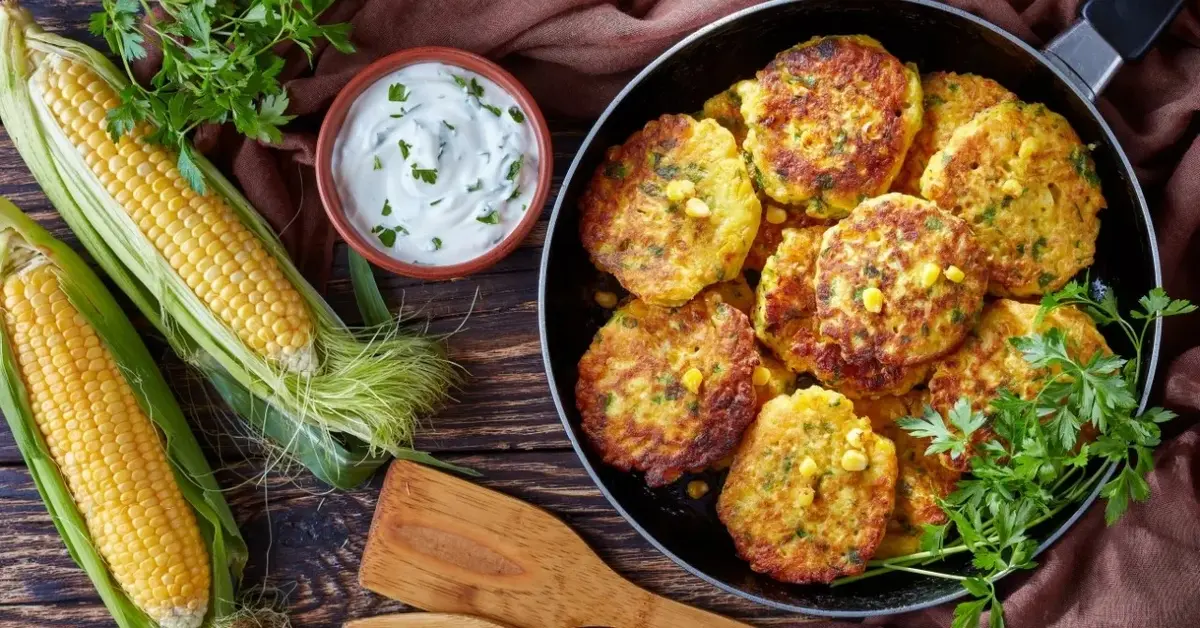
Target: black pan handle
column 1110, row 33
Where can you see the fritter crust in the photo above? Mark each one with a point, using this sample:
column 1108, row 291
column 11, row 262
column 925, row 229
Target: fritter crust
column 951, row 100
column 987, row 363
column 1020, row 176
column 921, row 480
column 829, row 122
column 763, row 503
column 636, row 410
column 632, row 229
column 888, row 243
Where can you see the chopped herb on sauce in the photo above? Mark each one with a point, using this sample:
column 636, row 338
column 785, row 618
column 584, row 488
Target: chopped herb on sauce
column 404, row 148
column 514, row 169
column 397, row 92
column 475, row 187
column 427, row 175
column 516, row 115
column 490, row 218
column 387, row 208
column 437, row 244
column 378, row 164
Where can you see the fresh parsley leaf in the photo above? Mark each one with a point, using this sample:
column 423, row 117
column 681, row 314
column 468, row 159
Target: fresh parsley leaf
column 448, row 125
column 490, row 218
column 426, row 175
column 387, row 208
column 404, row 148
column 397, row 92
column 967, row 614
column 188, row 169
column 437, row 244
column 516, row 193
column 378, row 164
column 496, row 111
column 472, row 86
column 516, row 114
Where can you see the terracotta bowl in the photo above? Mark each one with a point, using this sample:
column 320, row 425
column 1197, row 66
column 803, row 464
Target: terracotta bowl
column 336, row 116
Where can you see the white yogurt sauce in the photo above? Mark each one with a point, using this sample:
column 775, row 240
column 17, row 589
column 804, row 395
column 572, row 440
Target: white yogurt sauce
column 435, row 164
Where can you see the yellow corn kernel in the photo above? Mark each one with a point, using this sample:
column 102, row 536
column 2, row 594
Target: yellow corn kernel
column 872, row 299
column 804, row 496
column 929, row 274
column 697, row 208
column 955, row 274
column 808, row 467
column 697, row 489
column 209, row 226
column 680, row 189
column 692, row 379
column 106, row 448
column 760, row 376
column 854, row 460
column 776, row 215
column 1012, row 187
column 854, row 437
column 605, row 299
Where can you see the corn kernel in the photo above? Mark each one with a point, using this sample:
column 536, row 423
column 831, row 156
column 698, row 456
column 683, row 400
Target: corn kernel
column 854, row 460
column 854, row 437
column 680, row 189
column 955, row 274
column 872, row 299
column 692, row 379
column 697, row 489
column 761, row 376
column 776, row 215
column 929, row 274
column 605, row 299
column 808, row 467
column 804, row 496
column 1012, row 187
column 697, row 208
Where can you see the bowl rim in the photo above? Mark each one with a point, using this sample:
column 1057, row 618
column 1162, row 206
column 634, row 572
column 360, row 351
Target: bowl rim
column 336, row 117
column 1035, row 55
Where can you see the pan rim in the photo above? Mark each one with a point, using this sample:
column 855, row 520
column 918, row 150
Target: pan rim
column 1034, row 54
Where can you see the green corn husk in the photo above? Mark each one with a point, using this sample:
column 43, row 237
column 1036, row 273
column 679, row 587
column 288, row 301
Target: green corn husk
column 343, row 421
column 226, row 548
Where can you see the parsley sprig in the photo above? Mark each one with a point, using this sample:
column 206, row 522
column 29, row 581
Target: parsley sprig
column 219, row 65
column 1028, row 462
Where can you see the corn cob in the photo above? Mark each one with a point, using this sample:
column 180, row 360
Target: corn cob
column 106, row 448
column 91, row 439
column 208, row 271
column 199, row 236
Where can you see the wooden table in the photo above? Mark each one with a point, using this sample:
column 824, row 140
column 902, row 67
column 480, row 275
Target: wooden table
column 305, row 540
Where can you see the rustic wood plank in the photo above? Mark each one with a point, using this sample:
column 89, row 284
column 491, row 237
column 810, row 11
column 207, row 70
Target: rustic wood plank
column 308, row 542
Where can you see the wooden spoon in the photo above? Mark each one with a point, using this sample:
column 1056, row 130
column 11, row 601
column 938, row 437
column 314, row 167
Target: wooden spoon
column 444, row 544
column 423, row 620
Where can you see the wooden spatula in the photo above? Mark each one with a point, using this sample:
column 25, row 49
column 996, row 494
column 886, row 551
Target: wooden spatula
column 423, row 620
column 446, row 545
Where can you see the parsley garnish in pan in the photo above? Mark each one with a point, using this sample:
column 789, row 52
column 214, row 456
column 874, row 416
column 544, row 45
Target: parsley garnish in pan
column 1033, row 464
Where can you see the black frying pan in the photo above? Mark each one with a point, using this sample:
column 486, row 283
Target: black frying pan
column 1065, row 76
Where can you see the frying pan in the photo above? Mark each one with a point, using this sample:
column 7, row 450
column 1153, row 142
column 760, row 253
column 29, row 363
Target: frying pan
column 1066, row 76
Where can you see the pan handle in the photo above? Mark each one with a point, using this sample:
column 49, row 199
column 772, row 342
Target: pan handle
column 1110, row 33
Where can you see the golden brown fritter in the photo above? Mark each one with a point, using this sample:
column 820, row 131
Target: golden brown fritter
column 736, row 292
column 726, row 109
column 782, row 381
column 1019, row 175
column 886, row 281
column 639, row 218
column 988, row 363
column 633, row 395
column 921, row 480
column 951, row 100
column 784, row 320
column 829, row 122
column 794, row 508
column 786, row 301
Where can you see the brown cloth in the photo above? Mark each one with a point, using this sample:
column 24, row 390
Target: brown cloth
column 575, row 54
